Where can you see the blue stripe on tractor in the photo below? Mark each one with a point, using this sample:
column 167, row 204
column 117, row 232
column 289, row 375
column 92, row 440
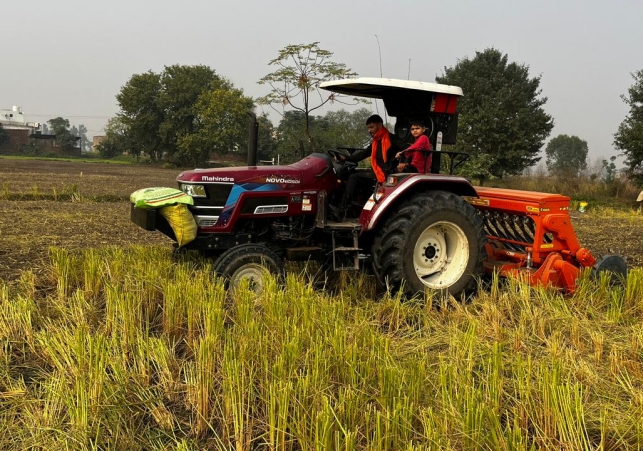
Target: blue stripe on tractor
column 237, row 189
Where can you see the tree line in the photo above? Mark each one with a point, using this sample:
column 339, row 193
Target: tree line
column 188, row 113
column 68, row 136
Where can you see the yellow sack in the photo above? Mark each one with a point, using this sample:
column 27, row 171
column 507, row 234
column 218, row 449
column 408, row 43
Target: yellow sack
column 181, row 221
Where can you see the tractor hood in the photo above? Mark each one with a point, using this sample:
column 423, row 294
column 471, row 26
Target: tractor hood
column 280, row 175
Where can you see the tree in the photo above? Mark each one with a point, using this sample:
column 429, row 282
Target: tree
column 109, row 148
column 166, row 114
column 4, row 136
column 609, row 170
column 221, row 125
column 335, row 129
column 85, row 144
column 346, row 129
column 629, row 137
column 142, row 114
column 76, row 134
column 64, row 138
column 502, row 124
column 80, row 132
column 291, row 134
column 266, row 139
column 301, row 68
column 566, row 155
column 116, row 141
column 181, row 90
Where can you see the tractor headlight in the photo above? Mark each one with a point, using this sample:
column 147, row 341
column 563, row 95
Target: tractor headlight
column 193, row 190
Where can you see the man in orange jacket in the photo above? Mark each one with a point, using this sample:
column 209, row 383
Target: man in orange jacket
column 382, row 152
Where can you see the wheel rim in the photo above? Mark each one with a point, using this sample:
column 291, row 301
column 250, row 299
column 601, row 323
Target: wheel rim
column 441, row 255
column 254, row 273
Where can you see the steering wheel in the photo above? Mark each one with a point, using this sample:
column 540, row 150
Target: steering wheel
column 342, row 167
column 337, row 154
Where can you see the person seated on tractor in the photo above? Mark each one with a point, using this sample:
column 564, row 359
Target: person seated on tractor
column 414, row 158
column 382, row 152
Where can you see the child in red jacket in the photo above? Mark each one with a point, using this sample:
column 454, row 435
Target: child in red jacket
column 420, row 161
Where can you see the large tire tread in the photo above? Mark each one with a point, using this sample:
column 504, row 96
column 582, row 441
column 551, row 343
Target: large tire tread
column 392, row 240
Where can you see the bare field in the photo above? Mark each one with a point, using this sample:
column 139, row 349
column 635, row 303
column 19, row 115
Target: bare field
column 31, row 220
column 90, row 179
column 29, row 226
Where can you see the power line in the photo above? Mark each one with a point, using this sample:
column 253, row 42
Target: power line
column 65, row 116
column 102, row 129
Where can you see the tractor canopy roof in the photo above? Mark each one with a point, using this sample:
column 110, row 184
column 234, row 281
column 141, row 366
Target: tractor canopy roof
column 402, row 98
column 383, row 88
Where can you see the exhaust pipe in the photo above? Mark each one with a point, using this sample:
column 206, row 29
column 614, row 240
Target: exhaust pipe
column 253, row 136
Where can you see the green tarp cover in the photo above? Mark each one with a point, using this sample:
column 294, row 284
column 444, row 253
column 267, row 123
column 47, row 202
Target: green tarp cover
column 159, row 197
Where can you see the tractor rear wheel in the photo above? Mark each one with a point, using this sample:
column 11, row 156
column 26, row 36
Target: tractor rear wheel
column 433, row 241
column 251, row 262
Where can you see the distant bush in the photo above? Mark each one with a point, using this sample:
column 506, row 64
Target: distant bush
column 129, row 159
column 617, row 192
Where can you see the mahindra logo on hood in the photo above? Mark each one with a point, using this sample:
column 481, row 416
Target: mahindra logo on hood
column 210, row 178
column 277, row 179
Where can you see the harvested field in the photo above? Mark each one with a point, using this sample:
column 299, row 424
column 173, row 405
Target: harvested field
column 93, row 180
column 77, row 205
column 31, row 220
column 127, row 348
column 622, row 234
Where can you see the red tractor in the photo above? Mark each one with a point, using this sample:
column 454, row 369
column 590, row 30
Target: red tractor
column 415, row 231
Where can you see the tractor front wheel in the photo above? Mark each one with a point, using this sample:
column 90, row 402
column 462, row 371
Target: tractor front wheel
column 434, row 241
column 251, row 262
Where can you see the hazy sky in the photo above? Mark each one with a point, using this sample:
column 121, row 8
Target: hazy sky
column 70, row 58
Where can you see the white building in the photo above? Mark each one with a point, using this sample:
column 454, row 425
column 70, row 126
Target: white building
column 15, row 119
column 13, row 115
column 20, row 131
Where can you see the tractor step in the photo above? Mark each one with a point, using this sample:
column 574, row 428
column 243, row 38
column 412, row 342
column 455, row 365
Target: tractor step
column 346, row 257
column 345, row 225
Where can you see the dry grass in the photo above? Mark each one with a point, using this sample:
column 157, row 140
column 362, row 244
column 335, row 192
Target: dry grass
column 128, row 349
column 106, row 345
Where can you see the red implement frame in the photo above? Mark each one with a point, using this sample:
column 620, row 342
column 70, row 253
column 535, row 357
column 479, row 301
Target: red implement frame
column 531, row 236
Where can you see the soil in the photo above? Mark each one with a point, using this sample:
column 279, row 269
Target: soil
column 35, row 215
column 31, row 221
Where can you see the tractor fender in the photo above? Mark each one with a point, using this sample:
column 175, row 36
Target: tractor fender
column 390, row 195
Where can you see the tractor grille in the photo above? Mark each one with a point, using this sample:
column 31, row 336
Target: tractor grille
column 206, row 221
column 516, row 232
column 265, row 209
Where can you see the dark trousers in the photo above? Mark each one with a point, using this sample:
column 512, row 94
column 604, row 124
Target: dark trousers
column 362, row 180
